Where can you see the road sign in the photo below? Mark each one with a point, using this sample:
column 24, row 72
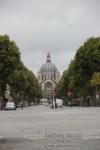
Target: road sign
column 97, row 96
column 53, row 93
column 69, row 93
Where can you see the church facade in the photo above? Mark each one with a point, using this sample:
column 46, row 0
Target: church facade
column 48, row 77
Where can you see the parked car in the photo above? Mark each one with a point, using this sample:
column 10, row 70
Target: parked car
column 10, row 106
column 59, row 102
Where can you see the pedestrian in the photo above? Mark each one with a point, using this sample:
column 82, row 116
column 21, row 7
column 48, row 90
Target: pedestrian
column 22, row 105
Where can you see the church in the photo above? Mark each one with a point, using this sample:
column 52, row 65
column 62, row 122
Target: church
column 48, row 76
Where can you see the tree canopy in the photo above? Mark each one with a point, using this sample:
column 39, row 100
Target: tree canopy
column 22, row 81
column 83, row 71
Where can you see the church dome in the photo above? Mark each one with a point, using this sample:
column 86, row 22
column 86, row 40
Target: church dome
column 48, row 67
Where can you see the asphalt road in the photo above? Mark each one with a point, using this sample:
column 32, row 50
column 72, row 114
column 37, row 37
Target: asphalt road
column 43, row 128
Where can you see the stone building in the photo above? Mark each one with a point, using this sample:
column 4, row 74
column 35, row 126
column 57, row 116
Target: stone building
column 48, row 77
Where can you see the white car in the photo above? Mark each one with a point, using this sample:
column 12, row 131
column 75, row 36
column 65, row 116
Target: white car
column 10, row 106
column 59, row 102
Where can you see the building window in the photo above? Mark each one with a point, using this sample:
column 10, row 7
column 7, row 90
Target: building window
column 39, row 77
column 54, row 77
column 42, row 77
column 51, row 77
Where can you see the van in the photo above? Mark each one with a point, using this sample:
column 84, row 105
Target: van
column 10, row 106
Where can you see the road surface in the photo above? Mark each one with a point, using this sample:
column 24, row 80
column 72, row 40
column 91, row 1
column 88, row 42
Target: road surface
column 43, row 128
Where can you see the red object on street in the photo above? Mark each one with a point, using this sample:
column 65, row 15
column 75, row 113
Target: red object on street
column 53, row 93
column 69, row 93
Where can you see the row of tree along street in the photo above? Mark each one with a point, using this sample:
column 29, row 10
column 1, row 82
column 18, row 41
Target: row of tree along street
column 23, row 85
column 82, row 78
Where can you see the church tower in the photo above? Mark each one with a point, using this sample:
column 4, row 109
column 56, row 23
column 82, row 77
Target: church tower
column 48, row 77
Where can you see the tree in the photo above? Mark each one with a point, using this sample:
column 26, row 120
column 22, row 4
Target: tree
column 23, row 83
column 95, row 82
column 9, row 59
column 78, row 75
column 87, row 60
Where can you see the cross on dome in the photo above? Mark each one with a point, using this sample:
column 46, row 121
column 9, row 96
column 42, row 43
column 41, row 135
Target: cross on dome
column 48, row 58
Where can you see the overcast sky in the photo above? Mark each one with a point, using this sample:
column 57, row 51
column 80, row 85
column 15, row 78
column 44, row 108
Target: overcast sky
column 57, row 26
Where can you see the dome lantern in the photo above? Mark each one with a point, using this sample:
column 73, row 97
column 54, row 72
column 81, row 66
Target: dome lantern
column 48, row 58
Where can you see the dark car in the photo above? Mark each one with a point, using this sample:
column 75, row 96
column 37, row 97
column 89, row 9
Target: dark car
column 72, row 104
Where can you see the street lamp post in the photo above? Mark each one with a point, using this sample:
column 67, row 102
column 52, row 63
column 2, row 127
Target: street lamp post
column 69, row 94
column 53, row 94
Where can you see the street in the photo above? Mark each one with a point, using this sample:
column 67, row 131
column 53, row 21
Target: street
column 43, row 128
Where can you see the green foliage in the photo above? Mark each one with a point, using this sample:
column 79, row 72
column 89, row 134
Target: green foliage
column 9, row 59
column 95, row 80
column 78, row 75
column 23, row 83
column 87, row 60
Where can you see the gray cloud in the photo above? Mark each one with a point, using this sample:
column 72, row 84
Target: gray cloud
column 59, row 25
